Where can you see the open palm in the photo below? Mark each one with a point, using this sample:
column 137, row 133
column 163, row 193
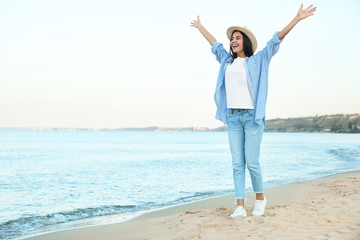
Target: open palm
column 304, row 13
column 196, row 23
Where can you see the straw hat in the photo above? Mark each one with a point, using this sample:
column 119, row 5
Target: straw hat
column 245, row 30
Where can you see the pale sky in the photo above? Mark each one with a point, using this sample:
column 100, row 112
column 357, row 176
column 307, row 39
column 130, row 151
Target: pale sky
column 115, row 64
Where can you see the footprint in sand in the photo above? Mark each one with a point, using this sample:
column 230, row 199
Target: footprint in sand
column 192, row 212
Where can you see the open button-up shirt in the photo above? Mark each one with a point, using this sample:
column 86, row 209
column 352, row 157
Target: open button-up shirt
column 257, row 69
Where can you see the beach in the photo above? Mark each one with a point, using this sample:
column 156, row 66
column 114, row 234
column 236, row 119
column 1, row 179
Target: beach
column 325, row 208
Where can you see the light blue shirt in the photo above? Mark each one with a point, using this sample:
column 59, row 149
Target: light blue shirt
column 257, row 69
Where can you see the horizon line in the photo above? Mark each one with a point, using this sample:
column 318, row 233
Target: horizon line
column 163, row 127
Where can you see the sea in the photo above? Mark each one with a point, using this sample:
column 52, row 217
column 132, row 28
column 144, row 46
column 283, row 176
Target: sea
column 54, row 179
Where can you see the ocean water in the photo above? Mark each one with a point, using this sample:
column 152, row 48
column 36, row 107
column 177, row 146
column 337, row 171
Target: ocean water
column 48, row 178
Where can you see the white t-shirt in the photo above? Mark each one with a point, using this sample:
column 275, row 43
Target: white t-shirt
column 236, row 86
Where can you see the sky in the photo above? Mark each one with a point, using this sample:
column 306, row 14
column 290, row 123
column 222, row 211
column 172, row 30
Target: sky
column 118, row 64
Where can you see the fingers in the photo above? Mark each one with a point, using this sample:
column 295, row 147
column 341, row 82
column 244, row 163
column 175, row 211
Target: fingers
column 198, row 19
column 308, row 7
column 311, row 11
column 195, row 23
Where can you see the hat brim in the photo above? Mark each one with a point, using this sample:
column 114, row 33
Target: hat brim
column 246, row 31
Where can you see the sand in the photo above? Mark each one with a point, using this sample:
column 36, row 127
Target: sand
column 326, row 208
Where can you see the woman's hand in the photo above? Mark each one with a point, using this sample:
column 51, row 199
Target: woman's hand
column 196, row 23
column 304, row 13
column 204, row 32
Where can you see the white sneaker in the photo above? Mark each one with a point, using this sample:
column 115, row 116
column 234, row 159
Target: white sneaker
column 259, row 207
column 239, row 211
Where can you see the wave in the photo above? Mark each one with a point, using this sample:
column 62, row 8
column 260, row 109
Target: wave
column 346, row 154
column 24, row 225
column 198, row 196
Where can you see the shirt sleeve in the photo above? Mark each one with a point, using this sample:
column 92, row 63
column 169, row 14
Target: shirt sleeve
column 219, row 51
column 271, row 48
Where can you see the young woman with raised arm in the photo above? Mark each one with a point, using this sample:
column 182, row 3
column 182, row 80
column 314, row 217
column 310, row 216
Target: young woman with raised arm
column 240, row 97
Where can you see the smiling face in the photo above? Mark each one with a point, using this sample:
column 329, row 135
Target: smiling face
column 237, row 44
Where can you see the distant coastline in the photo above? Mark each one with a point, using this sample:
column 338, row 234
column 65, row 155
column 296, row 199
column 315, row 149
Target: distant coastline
column 337, row 123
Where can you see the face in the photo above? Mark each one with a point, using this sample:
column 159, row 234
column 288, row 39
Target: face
column 236, row 43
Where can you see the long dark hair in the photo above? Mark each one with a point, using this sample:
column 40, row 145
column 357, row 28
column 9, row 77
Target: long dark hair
column 248, row 50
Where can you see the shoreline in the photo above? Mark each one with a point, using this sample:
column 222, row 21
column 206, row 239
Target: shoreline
column 162, row 223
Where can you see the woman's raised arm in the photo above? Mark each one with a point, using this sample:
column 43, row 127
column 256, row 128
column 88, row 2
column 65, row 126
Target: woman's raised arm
column 203, row 31
column 302, row 14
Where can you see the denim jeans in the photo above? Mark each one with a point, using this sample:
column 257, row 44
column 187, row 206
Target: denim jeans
column 244, row 139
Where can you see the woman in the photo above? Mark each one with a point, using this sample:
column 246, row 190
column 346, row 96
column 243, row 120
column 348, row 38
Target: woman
column 240, row 96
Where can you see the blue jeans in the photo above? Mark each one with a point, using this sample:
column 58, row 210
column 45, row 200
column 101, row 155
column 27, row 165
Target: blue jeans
column 244, row 139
